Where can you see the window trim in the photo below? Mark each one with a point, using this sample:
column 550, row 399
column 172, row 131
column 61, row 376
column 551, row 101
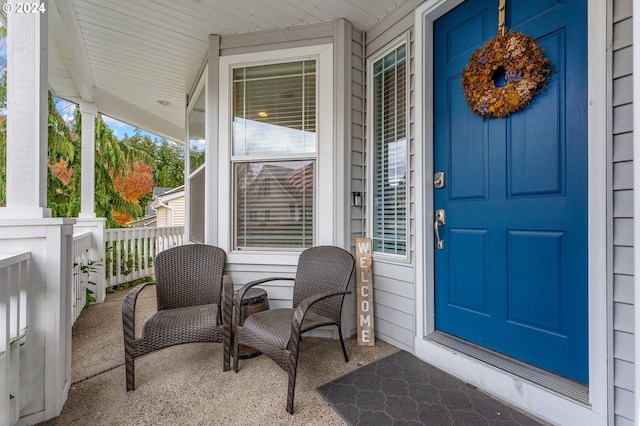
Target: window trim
column 199, row 89
column 370, row 155
column 324, row 197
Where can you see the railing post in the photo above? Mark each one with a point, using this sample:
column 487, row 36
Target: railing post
column 45, row 359
column 96, row 252
column 5, row 319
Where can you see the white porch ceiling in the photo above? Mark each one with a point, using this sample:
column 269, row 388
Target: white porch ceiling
column 126, row 55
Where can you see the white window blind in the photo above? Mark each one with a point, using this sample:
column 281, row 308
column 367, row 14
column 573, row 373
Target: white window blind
column 390, row 153
column 274, row 155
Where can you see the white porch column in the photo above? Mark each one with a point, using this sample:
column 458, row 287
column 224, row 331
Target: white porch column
column 27, row 119
column 26, row 224
column 88, row 113
column 87, row 220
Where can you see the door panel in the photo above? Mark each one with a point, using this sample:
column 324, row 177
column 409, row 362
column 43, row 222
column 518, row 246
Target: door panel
column 535, row 264
column 536, row 142
column 512, row 275
column 469, row 247
column 468, row 136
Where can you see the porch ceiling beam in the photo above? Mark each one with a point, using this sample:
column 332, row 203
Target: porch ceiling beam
column 122, row 110
column 67, row 35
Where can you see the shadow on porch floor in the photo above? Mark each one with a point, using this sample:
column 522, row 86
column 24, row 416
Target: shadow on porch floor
column 185, row 385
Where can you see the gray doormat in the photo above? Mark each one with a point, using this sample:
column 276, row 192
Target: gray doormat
column 403, row 390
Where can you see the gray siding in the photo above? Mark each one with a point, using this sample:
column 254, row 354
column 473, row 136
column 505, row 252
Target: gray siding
column 394, row 282
column 309, row 35
column 622, row 187
column 357, row 175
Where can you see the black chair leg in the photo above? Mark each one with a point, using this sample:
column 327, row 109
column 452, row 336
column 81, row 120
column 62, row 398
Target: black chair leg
column 344, row 350
column 236, row 353
column 130, row 371
column 291, row 390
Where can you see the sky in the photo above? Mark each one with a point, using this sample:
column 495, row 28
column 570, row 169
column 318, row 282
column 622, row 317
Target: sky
column 66, row 109
column 119, row 128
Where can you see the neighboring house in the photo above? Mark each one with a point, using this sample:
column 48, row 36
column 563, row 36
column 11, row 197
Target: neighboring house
column 144, row 222
column 169, row 207
column 514, row 269
column 278, row 200
column 150, row 217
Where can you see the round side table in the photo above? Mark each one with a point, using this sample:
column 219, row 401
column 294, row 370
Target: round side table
column 254, row 300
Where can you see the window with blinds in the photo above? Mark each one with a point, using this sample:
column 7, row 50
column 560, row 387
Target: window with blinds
column 274, row 155
column 389, row 115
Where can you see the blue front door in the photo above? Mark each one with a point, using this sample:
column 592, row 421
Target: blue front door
column 512, row 273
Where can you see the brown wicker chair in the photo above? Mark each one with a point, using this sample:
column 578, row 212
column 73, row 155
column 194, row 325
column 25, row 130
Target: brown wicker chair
column 194, row 305
column 322, row 276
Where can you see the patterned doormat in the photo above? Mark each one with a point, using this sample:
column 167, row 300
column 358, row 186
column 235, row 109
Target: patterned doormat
column 401, row 389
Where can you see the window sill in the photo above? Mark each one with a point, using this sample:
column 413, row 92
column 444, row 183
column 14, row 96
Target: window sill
column 393, row 259
column 263, row 258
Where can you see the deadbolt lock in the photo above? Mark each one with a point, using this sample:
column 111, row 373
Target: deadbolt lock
column 439, row 180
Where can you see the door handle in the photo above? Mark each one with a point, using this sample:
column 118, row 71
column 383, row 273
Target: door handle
column 440, row 220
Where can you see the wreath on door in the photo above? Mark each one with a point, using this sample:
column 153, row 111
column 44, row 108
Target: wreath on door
column 505, row 74
column 516, row 63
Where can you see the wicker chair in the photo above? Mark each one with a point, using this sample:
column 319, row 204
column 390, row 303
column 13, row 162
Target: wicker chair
column 194, row 305
column 322, row 276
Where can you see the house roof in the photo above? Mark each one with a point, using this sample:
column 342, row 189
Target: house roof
column 132, row 57
column 170, row 191
column 166, row 196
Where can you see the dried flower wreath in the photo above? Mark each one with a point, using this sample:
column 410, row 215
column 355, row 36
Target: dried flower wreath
column 513, row 58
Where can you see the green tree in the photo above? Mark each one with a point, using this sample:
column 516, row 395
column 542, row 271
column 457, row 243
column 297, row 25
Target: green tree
column 3, row 160
column 3, row 122
column 112, row 156
column 62, row 184
column 169, row 159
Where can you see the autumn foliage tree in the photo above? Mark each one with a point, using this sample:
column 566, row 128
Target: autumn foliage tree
column 118, row 196
column 65, row 144
column 134, row 184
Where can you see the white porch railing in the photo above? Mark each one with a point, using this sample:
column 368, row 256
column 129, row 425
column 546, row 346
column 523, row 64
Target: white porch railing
column 130, row 251
column 82, row 279
column 14, row 344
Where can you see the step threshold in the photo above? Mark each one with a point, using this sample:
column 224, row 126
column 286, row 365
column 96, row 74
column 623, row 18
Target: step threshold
column 568, row 388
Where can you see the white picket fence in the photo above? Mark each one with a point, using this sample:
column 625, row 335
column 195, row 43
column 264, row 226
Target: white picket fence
column 82, row 276
column 130, row 251
column 14, row 342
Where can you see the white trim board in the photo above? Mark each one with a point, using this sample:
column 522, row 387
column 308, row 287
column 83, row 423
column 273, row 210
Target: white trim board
column 535, row 399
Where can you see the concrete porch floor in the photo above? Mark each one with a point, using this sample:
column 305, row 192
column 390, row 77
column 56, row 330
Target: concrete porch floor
column 185, row 385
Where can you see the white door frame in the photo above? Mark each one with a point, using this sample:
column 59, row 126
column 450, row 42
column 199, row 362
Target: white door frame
column 519, row 392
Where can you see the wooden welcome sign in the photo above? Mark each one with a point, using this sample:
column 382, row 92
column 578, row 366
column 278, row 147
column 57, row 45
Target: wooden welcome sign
column 364, row 288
